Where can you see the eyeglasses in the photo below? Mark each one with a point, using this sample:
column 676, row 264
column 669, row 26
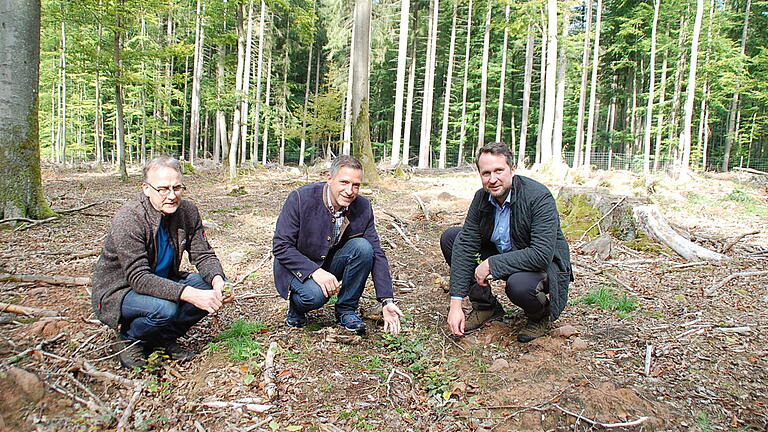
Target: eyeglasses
column 165, row 190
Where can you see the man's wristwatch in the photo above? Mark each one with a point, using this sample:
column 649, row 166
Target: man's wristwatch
column 387, row 301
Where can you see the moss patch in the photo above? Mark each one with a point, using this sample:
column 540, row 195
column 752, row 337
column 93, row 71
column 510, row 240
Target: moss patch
column 577, row 215
column 643, row 243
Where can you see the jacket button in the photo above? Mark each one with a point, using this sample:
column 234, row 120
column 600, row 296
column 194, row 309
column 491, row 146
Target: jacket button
column 329, row 238
column 322, row 257
column 298, row 274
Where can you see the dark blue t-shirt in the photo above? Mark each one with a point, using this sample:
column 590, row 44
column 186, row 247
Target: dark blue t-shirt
column 164, row 252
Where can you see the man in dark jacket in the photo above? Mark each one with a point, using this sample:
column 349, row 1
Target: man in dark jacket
column 325, row 243
column 511, row 233
column 138, row 289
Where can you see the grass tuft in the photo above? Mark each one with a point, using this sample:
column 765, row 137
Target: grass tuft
column 609, row 299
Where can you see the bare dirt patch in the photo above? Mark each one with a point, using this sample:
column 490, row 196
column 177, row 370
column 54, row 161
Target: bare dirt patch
column 707, row 370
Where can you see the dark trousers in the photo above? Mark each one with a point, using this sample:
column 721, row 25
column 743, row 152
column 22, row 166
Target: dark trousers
column 525, row 289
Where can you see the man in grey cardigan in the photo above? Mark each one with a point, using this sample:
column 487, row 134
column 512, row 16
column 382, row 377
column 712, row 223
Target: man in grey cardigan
column 138, row 289
column 511, row 233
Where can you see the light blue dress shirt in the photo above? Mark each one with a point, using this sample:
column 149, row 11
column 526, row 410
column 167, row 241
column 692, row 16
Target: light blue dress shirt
column 500, row 236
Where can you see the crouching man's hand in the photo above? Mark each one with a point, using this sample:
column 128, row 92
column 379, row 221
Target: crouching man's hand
column 392, row 315
column 207, row 300
column 456, row 318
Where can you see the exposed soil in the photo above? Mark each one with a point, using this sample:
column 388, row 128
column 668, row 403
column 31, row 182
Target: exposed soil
column 708, row 368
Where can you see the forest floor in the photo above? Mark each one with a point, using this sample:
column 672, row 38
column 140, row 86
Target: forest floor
column 642, row 342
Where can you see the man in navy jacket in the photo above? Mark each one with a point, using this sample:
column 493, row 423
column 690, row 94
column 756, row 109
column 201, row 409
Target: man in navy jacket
column 325, row 243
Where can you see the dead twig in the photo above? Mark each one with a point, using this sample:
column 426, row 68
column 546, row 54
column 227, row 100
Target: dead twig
column 37, row 347
column 730, row 244
column 711, row 291
column 77, row 209
column 423, row 207
column 648, row 354
column 51, row 280
column 126, row 417
column 270, row 386
column 601, row 219
column 245, row 275
column 639, row 421
column 407, row 240
column 26, row 310
column 396, row 217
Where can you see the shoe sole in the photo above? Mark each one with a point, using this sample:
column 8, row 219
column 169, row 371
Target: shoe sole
column 360, row 331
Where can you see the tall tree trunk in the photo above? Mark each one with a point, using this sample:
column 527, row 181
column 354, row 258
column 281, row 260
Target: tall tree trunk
column 557, row 131
column 651, row 84
column 246, row 84
column 463, row 130
column 197, row 74
column 704, row 114
column 62, row 137
column 284, row 107
column 593, row 87
column 409, row 108
column 673, row 119
column 184, row 108
column 579, row 142
column 303, row 146
column 236, row 117
column 484, row 78
column 21, row 190
column 685, row 134
column 527, row 78
column 503, row 76
column 551, row 84
column 733, row 112
column 361, row 134
column 402, row 59
column 542, row 89
column 265, row 134
column 119, row 122
column 425, row 146
column 447, row 98
column 221, row 122
column 660, row 117
column 98, row 131
column 347, row 140
column 259, row 67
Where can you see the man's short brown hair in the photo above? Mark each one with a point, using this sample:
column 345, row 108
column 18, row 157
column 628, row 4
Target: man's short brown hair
column 497, row 148
column 344, row 161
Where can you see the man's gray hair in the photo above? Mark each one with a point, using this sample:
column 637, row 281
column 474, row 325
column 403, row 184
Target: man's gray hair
column 162, row 161
column 497, row 148
column 344, row 161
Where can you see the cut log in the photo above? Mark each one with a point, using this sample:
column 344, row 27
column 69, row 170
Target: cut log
column 650, row 219
column 53, row 280
column 270, row 386
column 26, row 310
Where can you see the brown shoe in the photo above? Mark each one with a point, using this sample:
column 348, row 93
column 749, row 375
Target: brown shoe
column 130, row 353
column 534, row 329
column 477, row 318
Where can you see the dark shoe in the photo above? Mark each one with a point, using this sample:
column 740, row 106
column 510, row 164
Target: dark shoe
column 130, row 353
column 477, row 318
column 176, row 352
column 295, row 319
column 352, row 322
column 534, row 329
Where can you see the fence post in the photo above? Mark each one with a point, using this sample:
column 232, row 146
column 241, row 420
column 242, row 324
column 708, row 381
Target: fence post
column 610, row 158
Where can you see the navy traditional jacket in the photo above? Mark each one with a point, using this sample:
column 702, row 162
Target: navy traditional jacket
column 304, row 237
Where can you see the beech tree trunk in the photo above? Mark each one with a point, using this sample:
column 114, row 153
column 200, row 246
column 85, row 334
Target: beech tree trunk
column 557, row 131
column 429, row 88
column 463, row 127
column 685, row 134
column 21, row 191
column 409, row 107
column 197, row 74
column 526, row 97
column 593, row 87
column 484, row 78
column 651, row 84
column 235, row 141
column 246, row 84
column 119, row 122
column 503, row 76
column 733, row 112
column 402, row 59
column 221, row 122
column 361, row 134
column 579, row 142
column 302, row 147
column 447, row 99
column 267, row 114
column 550, row 86
column 259, row 67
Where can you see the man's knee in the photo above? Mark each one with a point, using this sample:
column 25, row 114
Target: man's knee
column 361, row 249
column 446, row 242
column 524, row 285
column 161, row 311
column 308, row 297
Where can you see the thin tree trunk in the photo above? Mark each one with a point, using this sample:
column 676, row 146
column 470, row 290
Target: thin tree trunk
column 119, row 122
column 284, row 108
column 247, row 69
column 579, row 142
column 447, row 99
column 651, row 84
column 503, row 77
column 197, row 74
column 733, row 112
column 347, row 140
column 259, row 67
column 62, row 154
column 704, row 113
column 361, row 134
column 306, row 104
column 463, row 130
column 402, row 59
column 557, row 132
column 265, row 134
column 660, row 117
column 546, row 131
column 221, row 122
column 673, row 120
column 429, row 88
column 484, row 78
column 527, row 78
column 409, row 107
column 593, row 87
column 236, row 117
column 542, row 90
column 685, row 135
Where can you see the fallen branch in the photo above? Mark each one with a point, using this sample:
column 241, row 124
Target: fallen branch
column 423, row 207
column 652, row 222
column 30, row 222
column 710, row 291
column 639, row 421
column 731, row 243
column 255, row 407
column 407, row 240
column 396, row 217
column 126, row 417
column 77, row 209
column 39, row 346
column 604, row 216
column 52, row 280
column 750, row 170
column 27, row 310
column 269, row 384
column 648, row 353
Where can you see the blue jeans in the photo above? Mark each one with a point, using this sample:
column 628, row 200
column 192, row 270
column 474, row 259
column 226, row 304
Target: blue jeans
column 351, row 265
column 153, row 319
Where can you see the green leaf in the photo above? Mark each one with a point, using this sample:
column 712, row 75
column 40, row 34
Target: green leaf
column 447, row 394
column 248, row 379
column 274, row 425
